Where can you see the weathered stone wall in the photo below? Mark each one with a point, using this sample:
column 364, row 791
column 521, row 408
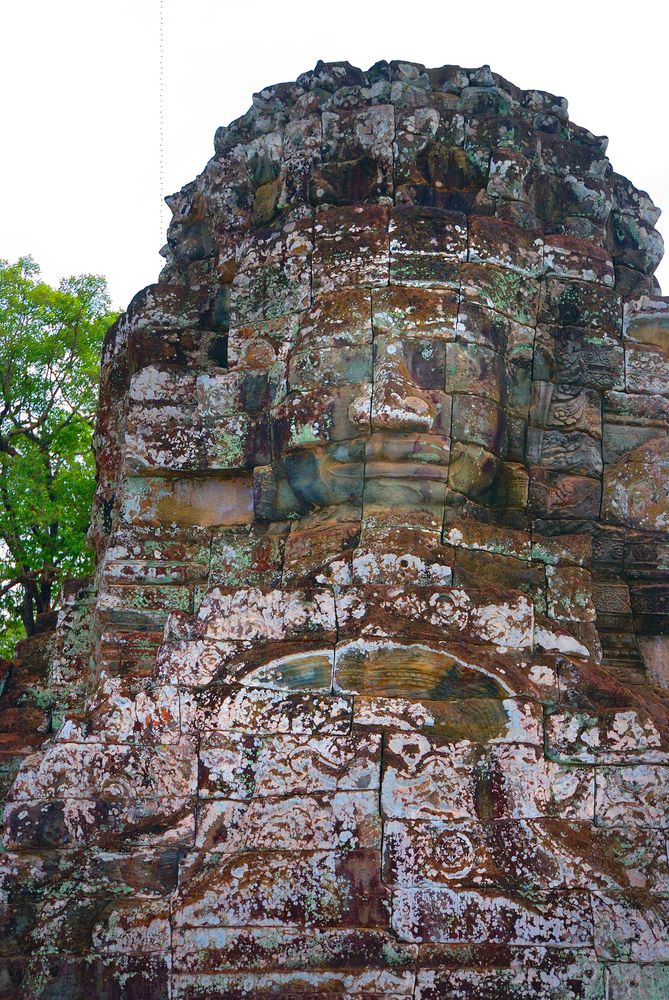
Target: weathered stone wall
column 376, row 657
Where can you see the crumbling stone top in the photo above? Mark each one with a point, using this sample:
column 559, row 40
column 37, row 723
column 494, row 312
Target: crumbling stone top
column 465, row 139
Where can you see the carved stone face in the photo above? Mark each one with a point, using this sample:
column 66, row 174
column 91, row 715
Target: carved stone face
column 373, row 414
column 374, row 409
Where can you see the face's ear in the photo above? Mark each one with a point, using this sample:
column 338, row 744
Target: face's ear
column 654, row 651
column 273, row 498
column 635, row 446
column 635, row 487
column 646, row 334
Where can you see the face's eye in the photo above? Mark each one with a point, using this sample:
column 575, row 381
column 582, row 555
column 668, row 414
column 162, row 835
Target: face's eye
column 426, row 362
column 314, row 418
column 320, row 369
column 416, row 361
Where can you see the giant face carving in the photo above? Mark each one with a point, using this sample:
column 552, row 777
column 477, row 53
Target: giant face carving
column 380, row 381
column 384, row 483
column 379, row 411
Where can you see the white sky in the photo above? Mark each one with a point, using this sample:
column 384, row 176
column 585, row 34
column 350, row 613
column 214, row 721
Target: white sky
column 79, row 80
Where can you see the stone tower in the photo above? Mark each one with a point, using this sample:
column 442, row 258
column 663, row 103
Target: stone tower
column 368, row 698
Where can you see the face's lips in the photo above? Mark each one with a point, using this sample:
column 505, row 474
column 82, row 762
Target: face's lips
column 406, row 470
column 415, row 454
column 423, row 457
column 389, row 470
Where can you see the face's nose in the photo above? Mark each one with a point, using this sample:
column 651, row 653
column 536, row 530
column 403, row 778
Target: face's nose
column 395, row 403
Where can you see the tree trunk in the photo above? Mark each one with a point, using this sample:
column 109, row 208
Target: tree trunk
column 28, row 611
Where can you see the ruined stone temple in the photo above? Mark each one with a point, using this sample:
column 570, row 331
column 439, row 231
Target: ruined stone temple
column 369, row 696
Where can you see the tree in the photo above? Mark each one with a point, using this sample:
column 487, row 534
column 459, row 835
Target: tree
column 50, row 344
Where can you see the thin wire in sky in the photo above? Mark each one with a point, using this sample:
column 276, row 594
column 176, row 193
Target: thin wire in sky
column 161, row 117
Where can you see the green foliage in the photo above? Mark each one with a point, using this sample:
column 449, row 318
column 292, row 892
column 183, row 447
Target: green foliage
column 50, row 343
column 12, row 631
